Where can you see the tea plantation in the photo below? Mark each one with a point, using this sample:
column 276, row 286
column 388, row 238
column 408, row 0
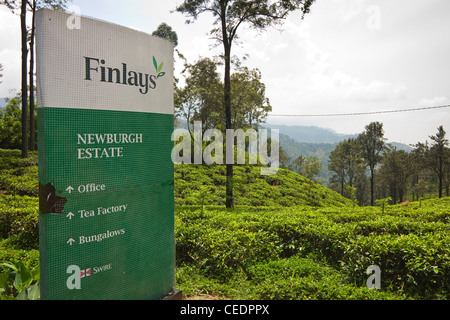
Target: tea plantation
column 288, row 238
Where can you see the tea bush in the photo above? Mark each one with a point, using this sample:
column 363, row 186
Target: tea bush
column 286, row 188
column 18, row 176
column 287, row 238
column 410, row 245
column 19, row 221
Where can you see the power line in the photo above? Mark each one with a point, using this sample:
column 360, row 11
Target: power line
column 357, row 113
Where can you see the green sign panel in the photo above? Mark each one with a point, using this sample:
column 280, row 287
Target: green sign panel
column 105, row 120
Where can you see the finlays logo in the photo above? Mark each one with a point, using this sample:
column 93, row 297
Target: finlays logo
column 97, row 70
column 158, row 68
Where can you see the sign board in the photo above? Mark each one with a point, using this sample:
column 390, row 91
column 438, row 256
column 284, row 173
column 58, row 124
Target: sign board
column 105, row 119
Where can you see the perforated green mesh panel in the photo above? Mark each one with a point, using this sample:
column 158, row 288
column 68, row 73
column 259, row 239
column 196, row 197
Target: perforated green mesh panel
column 105, row 168
column 119, row 214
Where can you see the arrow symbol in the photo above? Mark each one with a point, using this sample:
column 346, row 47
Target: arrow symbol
column 70, row 215
column 70, row 189
column 71, row 241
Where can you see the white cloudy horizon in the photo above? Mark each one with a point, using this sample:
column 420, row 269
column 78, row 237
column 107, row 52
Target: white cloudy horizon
column 346, row 56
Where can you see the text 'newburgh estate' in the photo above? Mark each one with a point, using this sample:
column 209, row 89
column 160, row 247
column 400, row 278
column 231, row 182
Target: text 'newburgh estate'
column 108, row 139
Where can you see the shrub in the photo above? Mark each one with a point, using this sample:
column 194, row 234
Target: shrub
column 410, row 247
column 19, row 217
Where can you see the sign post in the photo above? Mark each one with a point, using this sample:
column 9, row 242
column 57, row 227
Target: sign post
column 105, row 119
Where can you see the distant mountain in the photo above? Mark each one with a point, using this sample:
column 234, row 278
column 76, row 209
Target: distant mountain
column 322, row 151
column 401, row 146
column 315, row 142
column 311, row 134
column 2, row 103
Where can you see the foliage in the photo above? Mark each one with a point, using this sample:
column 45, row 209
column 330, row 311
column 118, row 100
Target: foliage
column 249, row 104
column 286, row 188
column 266, row 248
column 19, row 221
column 201, row 99
column 22, row 283
column 383, row 203
column 372, row 145
column 397, row 166
column 436, row 157
column 346, row 164
column 18, row 200
column 11, row 126
column 400, row 173
column 293, row 278
column 308, row 167
column 289, row 238
column 20, row 181
column 165, row 31
column 228, row 17
column 18, row 176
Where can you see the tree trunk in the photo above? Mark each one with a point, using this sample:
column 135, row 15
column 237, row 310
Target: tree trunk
column 228, row 125
column 440, row 176
column 371, row 187
column 23, row 25
column 227, row 42
column 32, row 123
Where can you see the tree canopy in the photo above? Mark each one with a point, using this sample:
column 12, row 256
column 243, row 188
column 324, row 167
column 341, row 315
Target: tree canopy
column 229, row 16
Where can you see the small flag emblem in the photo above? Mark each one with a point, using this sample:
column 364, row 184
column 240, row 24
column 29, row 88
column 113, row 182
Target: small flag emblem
column 85, row 273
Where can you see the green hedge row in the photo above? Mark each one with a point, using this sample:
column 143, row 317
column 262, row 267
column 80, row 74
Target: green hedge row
column 18, row 176
column 19, row 226
column 412, row 250
column 194, row 183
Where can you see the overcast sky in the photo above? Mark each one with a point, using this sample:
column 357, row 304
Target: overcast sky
column 345, row 56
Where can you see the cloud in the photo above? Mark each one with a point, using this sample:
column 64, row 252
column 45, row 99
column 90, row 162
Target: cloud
column 9, row 51
column 434, row 102
column 313, row 79
column 348, row 10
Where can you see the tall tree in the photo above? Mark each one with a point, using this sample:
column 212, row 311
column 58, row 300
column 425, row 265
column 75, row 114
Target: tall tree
column 372, row 143
column 32, row 38
column 395, row 171
column 439, row 151
column 200, row 97
column 230, row 15
column 307, row 166
column 20, row 7
column 436, row 156
column 24, row 35
column 33, row 6
column 250, row 106
column 337, row 167
column 10, row 125
column 166, row 32
column 345, row 163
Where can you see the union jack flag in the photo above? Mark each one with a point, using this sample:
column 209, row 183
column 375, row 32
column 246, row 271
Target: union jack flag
column 85, row 273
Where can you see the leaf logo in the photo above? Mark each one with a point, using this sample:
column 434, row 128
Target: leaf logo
column 158, row 68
